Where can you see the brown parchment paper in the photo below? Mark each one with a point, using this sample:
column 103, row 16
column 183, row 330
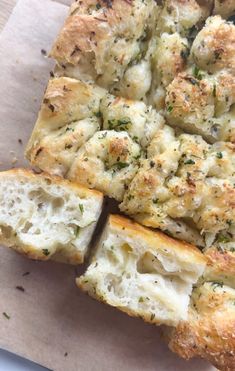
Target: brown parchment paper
column 52, row 322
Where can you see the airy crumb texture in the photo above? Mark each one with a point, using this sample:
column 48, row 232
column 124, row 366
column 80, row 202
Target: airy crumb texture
column 143, row 273
column 46, row 217
column 185, row 187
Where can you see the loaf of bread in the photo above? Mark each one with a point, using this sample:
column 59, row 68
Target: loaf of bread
column 46, row 217
column 143, row 273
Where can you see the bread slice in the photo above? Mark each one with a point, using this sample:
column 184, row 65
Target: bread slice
column 46, row 217
column 143, row 273
column 185, row 187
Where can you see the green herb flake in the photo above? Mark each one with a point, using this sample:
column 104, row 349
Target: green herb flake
column 222, row 238
column 219, row 155
column 45, row 252
column 98, row 114
column 169, row 108
column 6, row 315
column 81, row 207
column 152, row 317
column 121, row 165
column 141, row 299
column 189, row 162
column 77, row 230
column 197, row 73
column 155, row 200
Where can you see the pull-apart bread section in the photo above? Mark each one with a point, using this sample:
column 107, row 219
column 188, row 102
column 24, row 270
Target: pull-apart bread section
column 186, row 188
column 201, row 99
column 88, row 135
column 69, row 116
column 102, row 39
column 141, row 272
column 209, row 331
column 46, row 217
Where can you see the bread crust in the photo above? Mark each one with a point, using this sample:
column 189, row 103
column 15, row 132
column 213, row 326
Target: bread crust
column 210, row 330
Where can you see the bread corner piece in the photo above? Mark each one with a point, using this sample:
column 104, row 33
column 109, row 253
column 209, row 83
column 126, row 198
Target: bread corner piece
column 47, row 217
column 143, row 273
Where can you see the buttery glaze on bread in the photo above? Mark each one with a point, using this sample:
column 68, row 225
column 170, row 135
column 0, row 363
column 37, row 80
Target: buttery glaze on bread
column 46, row 217
column 143, row 273
column 69, row 116
column 185, row 187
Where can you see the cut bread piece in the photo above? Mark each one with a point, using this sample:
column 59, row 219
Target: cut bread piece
column 186, row 188
column 210, row 330
column 47, row 217
column 69, row 116
column 143, row 273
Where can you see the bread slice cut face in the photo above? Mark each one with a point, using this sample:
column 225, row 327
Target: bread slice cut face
column 46, row 217
column 143, row 273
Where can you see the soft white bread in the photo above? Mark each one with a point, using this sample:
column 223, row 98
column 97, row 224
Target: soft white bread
column 210, row 330
column 69, row 116
column 107, row 162
column 143, row 273
column 46, row 217
column 185, row 187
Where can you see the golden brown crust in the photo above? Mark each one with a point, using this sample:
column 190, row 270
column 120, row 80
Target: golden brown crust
column 79, row 188
column 210, row 330
column 155, row 237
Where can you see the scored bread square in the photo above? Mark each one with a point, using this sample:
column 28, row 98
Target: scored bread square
column 46, row 217
column 143, row 273
column 68, row 117
column 68, row 139
column 186, row 188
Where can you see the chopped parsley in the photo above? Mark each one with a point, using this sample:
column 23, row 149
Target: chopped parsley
column 120, row 165
column 119, row 125
column 169, row 108
column 98, row 114
column 197, row 73
column 81, row 207
column 219, row 155
column 189, row 162
column 222, row 238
